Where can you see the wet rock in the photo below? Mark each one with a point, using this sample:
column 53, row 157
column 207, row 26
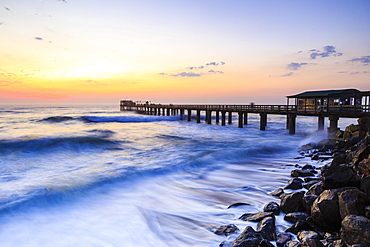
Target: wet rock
column 352, row 201
column 238, row 204
column 367, row 212
column 226, row 244
column 272, row 207
column 339, row 159
column 282, row 238
column 255, row 217
column 365, row 186
column 308, row 201
column 266, row 228
column 302, row 173
column 226, row 230
column 295, row 216
column 325, row 209
column 294, row 184
column 316, row 189
column 307, row 185
column 250, row 238
column 310, row 239
column 364, row 167
column 355, row 230
column 293, row 244
column 292, row 202
column 277, row 192
column 335, row 176
column 300, row 225
column 308, row 146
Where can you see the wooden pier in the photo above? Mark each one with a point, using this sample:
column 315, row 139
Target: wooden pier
column 314, row 105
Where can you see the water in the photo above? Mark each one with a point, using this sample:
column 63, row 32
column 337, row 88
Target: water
column 94, row 176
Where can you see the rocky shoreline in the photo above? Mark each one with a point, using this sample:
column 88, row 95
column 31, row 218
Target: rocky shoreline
column 329, row 206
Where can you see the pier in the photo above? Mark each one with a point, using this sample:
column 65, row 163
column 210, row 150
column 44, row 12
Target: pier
column 333, row 104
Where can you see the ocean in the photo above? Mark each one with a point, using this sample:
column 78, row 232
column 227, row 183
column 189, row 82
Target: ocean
column 95, row 176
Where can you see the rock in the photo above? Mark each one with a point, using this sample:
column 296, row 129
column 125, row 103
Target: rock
column 302, row 173
column 325, row 209
column 336, row 176
column 282, row 238
column 300, row 225
column 364, row 166
column 367, row 212
column 352, row 201
column 272, row 207
column 226, row 230
column 294, row 217
column 365, row 186
column 339, row 159
column 307, row 185
column 238, row 204
column 266, row 228
column 310, row 239
column 277, row 192
column 226, row 244
column 294, row 184
column 255, row 217
column 308, row 201
column 249, row 238
column 316, row 189
column 355, row 230
column 361, row 153
column 293, row 244
column 308, row 146
column 292, row 202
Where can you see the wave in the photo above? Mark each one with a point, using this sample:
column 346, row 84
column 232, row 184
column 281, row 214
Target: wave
column 130, row 119
column 57, row 119
column 50, row 143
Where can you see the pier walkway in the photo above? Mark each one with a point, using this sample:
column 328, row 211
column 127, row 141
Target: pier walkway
column 224, row 112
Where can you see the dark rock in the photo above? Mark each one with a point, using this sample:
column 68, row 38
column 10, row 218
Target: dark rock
column 292, row 202
column 308, row 167
column 266, row 228
column 226, row 244
column 277, row 192
column 339, row 159
column 308, row 146
column 247, row 238
column 367, row 212
column 309, row 179
column 272, row 207
column 316, row 189
column 336, row 176
column 307, row 185
column 365, row 186
column 325, row 209
column 308, row 201
column 300, row 225
column 295, row 216
column 352, row 201
column 265, row 243
column 282, row 238
column 310, row 239
column 294, row 184
column 293, row 244
column 238, row 204
column 355, row 230
column 255, row 217
column 226, row 230
column 302, row 173
column 315, row 157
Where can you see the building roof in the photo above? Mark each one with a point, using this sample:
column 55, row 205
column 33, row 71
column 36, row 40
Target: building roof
column 326, row 93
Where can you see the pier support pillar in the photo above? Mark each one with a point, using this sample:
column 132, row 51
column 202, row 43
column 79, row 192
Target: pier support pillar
column 181, row 114
column 245, row 118
column 189, row 115
column 223, row 118
column 321, row 123
column 209, row 117
column 198, row 116
column 292, row 123
column 333, row 124
column 168, row 112
column 240, row 124
column 217, row 117
column 230, row 117
column 263, row 121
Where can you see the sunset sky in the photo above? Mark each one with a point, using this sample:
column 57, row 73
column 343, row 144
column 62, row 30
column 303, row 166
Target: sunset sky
column 183, row 51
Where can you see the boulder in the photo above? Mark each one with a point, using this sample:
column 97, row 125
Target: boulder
column 226, row 230
column 352, row 201
column 300, row 225
column 335, row 176
column 294, row 184
column 364, row 166
column 255, row 217
column 355, row 230
column 310, row 239
column 277, row 192
column 302, row 173
column 293, row 244
column 282, row 238
column 292, row 202
column 250, row 238
column 365, row 186
column 325, row 209
column 308, row 201
column 316, row 189
column 266, row 228
column 361, row 153
column 294, row 217
column 272, row 207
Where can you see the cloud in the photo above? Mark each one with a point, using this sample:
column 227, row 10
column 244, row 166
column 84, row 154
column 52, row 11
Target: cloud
column 329, row 50
column 364, row 59
column 212, row 63
column 354, row 72
column 38, row 38
column 7, row 8
column 2, row 23
column 64, row 1
column 187, row 74
column 289, row 74
column 295, row 66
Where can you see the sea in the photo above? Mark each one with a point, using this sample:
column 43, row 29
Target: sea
column 97, row 176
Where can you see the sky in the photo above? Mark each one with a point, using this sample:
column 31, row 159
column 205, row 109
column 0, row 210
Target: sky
column 184, row 51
